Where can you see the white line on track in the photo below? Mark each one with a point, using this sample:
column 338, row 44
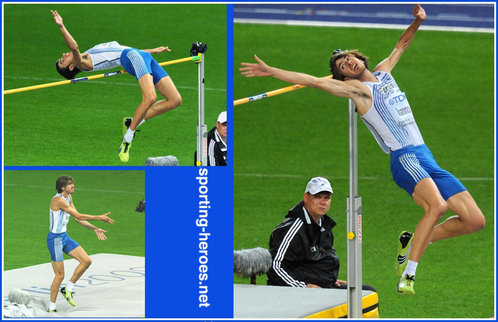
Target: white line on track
column 76, row 189
column 275, row 175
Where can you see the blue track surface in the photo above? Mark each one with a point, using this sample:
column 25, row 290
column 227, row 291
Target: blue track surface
column 440, row 15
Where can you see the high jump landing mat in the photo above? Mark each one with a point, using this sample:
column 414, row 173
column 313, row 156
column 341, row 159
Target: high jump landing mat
column 280, row 302
column 113, row 286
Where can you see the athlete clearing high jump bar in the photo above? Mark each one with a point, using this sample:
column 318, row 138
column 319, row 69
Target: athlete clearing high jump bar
column 385, row 111
column 139, row 63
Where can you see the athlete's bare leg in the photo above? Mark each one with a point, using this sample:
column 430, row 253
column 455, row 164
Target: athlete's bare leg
column 84, row 262
column 427, row 196
column 468, row 219
column 149, row 97
column 56, row 283
column 172, row 100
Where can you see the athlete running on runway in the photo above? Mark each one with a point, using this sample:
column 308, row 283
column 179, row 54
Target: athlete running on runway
column 139, row 63
column 58, row 241
column 385, row 110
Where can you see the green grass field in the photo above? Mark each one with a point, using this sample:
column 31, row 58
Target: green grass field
column 281, row 142
column 81, row 124
column 27, row 196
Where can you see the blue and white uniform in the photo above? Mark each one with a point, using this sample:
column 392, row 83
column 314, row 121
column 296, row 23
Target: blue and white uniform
column 136, row 62
column 106, row 55
column 57, row 239
column 59, row 218
column 391, row 121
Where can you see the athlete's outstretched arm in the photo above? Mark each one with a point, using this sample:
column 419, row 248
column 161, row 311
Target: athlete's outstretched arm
column 60, row 203
column 70, row 42
column 404, row 41
column 98, row 231
column 333, row 86
column 157, row 50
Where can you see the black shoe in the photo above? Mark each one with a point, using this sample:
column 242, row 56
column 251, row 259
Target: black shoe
column 141, row 206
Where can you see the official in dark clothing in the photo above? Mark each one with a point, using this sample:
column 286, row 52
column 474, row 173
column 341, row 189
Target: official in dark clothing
column 302, row 246
column 217, row 143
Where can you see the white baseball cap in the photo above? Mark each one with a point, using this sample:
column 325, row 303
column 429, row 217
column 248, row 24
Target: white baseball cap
column 222, row 118
column 318, row 184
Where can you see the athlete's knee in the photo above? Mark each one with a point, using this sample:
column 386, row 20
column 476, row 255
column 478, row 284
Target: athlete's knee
column 149, row 98
column 59, row 277
column 176, row 100
column 86, row 261
column 478, row 222
column 437, row 209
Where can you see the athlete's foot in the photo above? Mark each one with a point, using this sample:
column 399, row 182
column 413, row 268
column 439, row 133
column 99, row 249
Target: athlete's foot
column 124, row 151
column 68, row 296
column 406, row 284
column 404, row 247
column 126, row 124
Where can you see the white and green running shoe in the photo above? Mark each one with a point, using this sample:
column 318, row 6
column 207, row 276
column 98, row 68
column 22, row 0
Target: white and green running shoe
column 406, row 284
column 68, row 296
column 404, row 247
column 126, row 124
column 124, row 151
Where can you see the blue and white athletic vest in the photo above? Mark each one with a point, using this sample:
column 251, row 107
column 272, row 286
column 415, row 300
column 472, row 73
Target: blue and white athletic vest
column 59, row 218
column 106, row 55
column 390, row 118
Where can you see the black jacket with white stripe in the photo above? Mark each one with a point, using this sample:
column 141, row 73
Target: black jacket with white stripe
column 302, row 251
column 217, row 149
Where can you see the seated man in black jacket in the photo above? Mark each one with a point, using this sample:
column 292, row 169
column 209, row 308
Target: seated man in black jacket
column 302, row 245
column 217, row 143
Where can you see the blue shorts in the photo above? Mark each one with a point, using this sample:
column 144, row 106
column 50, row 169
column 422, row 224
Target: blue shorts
column 139, row 63
column 58, row 243
column 411, row 164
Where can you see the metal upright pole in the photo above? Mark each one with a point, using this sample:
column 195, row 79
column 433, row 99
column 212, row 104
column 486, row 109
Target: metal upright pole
column 201, row 127
column 354, row 223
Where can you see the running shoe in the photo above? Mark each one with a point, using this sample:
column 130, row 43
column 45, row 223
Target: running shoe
column 68, row 296
column 141, row 206
column 124, row 151
column 51, row 311
column 126, row 124
column 405, row 286
column 404, row 247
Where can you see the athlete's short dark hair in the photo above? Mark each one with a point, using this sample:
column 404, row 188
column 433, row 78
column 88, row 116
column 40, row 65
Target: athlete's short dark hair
column 63, row 181
column 65, row 72
column 336, row 73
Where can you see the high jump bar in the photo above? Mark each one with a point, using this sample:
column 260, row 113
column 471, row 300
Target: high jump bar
column 279, row 91
column 196, row 58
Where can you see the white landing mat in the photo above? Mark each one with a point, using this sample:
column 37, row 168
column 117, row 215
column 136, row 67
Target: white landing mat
column 281, row 302
column 113, row 286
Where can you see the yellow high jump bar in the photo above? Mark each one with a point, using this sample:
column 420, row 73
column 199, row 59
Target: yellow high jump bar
column 196, row 58
column 279, row 91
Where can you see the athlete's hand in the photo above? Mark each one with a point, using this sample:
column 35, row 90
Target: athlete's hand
column 162, row 49
column 106, row 219
column 419, row 12
column 100, row 233
column 57, row 18
column 260, row 69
